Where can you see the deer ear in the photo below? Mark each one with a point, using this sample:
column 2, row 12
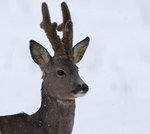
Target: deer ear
column 39, row 54
column 79, row 49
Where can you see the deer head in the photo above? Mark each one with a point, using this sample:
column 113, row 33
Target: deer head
column 60, row 73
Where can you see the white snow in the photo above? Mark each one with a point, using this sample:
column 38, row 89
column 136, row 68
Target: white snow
column 116, row 66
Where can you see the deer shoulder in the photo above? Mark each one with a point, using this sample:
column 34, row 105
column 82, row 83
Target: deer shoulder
column 61, row 83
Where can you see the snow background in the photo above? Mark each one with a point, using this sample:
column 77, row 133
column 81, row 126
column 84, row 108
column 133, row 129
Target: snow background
column 116, row 65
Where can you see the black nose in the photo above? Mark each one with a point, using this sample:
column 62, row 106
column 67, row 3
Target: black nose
column 85, row 88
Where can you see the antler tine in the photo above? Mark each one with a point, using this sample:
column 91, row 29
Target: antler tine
column 45, row 13
column 50, row 29
column 66, row 12
column 67, row 28
column 66, row 16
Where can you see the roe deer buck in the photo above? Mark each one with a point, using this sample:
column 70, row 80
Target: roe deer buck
column 61, row 81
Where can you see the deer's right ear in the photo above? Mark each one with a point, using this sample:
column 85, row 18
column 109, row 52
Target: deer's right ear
column 39, row 54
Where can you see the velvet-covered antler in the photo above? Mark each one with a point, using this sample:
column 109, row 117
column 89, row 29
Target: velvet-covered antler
column 64, row 45
column 67, row 28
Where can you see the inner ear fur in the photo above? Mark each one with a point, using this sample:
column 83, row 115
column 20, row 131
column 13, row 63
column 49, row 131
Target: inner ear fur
column 79, row 49
column 39, row 54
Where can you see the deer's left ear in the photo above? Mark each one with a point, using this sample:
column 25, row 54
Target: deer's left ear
column 79, row 49
column 39, row 54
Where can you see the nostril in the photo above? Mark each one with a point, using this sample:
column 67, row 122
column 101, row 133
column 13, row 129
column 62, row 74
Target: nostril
column 81, row 89
column 85, row 88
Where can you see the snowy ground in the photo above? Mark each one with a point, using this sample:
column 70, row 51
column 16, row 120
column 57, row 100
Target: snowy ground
column 116, row 65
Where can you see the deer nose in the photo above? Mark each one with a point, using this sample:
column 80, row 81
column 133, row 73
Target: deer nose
column 85, row 88
column 81, row 89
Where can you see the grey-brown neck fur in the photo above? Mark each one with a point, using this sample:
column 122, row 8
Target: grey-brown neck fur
column 55, row 116
column 61, row 81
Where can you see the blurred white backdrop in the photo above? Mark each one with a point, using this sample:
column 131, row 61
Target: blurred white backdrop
column 116, row 65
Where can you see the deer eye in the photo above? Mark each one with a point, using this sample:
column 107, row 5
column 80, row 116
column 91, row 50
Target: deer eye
column 60, row 72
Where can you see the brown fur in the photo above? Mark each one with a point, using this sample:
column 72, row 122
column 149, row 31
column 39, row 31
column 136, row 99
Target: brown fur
column 60, row 79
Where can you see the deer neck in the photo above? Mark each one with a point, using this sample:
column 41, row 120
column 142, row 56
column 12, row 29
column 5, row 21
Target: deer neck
column 55, row 116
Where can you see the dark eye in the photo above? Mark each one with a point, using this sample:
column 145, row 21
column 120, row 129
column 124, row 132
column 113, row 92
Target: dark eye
column 60, row 72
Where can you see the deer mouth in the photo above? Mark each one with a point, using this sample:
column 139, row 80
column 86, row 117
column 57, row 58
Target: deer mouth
column 80, row 90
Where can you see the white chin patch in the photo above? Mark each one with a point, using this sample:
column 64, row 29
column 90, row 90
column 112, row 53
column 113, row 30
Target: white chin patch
column 80, row 94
